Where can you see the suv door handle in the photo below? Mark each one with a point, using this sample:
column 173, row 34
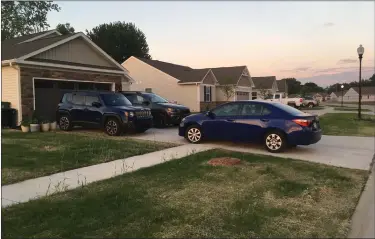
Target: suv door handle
column 264, row 120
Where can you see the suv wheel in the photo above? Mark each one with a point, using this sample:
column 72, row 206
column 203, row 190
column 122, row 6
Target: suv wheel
column 194, row 134
column 160, row 121
column 275, row 141
column 310, row 105
column 112, row 127
column 65, row 123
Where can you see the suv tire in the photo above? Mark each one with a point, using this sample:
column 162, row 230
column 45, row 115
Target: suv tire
column 310, row 105
column 65, row 122
column 160, row 121
column 194, row 134
column 275, row 141
column 112, row 127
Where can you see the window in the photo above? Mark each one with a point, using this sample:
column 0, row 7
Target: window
column 78, row 99
column 227, row 110
column 277, row 96
column 103, row 86
column 135, row 99
column 115, row 99
column 254, row 95
column 89, row 99
column 252, row 109
column 207, row 93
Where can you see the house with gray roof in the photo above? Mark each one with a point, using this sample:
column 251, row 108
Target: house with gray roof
column 367, row 92
column 38, row 69
column 198, row 89
column 264, row 86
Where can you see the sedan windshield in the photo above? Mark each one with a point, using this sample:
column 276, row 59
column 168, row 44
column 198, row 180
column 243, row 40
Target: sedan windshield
column 289, row 109
column 115, row 100
column 155, row 98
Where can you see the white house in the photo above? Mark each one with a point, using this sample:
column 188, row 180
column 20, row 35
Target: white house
column 368, row 94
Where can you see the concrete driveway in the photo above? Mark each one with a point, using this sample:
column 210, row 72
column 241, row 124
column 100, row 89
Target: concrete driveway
column 342, row 151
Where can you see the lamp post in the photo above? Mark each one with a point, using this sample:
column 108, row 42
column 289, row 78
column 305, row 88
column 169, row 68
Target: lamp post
column 342, row 95
column 360, row 51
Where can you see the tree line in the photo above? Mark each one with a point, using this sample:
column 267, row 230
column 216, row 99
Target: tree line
column 120, row 40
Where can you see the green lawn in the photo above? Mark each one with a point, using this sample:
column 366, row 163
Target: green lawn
column 314, row 108
column 187, row 198
column 347, row 124
column 350, row 109
column 32, row 155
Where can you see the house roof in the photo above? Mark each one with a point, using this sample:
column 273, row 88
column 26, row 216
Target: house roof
column 338, row 93
column 367, row 90
column 13, row 48
column 281, row 85
column 264, row 82
column 228, row 75
column 183, row 73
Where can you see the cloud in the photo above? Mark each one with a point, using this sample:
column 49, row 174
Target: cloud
column 347, row 61
column 329, row 24
column 298, row 69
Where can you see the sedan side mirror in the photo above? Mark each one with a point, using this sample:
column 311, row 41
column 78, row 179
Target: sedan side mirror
column 210, row 114
column 96, row 104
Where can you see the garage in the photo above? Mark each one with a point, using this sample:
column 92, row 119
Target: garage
column 48, row 93
column 242, row 95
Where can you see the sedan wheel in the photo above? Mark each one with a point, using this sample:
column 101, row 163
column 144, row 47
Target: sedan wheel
column 274, row 142
column 193, row 134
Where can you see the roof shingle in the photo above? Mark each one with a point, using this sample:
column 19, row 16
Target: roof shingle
column 264, row 82
column 366, row 90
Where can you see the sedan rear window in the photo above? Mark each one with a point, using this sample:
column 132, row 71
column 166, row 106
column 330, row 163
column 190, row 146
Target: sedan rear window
column 289, row 109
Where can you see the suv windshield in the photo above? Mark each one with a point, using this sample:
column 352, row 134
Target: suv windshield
column 155, row 98
column 115, row 99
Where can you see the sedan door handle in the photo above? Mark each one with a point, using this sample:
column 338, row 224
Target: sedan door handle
column 264, row 120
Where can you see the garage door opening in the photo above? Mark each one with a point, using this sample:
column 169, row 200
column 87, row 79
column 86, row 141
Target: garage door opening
column 48, row 93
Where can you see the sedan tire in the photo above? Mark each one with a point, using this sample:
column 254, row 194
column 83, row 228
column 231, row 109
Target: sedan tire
column 194, row 134
column 275, row 141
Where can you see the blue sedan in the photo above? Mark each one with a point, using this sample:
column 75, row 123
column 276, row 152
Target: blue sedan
column 273, row 124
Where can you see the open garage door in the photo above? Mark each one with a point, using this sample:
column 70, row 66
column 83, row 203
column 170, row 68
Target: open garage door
column 48, row 93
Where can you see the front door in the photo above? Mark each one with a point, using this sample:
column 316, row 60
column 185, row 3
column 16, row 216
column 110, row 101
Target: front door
column 222, row 125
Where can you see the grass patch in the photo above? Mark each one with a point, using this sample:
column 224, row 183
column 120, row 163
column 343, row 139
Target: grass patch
column 347, row 124
column 314, row 108
column 187, row 198
column 32, row 155
column 351, row 109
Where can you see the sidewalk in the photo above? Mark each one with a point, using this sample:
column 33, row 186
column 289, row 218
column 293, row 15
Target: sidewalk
column 363, row 220
column 34, row 188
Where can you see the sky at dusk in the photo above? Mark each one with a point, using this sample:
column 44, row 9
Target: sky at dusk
column 311, row 41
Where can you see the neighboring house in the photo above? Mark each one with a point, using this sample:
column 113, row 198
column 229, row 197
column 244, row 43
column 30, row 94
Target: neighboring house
column 37, row 69
column 339, row 95
column 195, row 88
column 352, row 95
column 282, row 86
column 334, row 95
column 263, row 86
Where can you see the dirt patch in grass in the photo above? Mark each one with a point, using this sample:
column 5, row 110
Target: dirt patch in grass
column 32, row 155
column 265, row 197
column 347, row 124
column 225, row 161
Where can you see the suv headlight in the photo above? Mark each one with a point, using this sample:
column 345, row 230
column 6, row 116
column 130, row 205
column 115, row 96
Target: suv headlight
column 129, row 114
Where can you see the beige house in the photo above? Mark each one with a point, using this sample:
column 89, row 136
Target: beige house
column 265, row 85
column 198, row 89
column 282, row 86
column 38, row 69
column 368, row 94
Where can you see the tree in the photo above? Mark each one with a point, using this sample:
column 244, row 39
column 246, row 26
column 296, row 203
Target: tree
column 120, row 40
column 228, row 89
column 294, row 86
column 65, row 29
column 20, row 18
column 264, row 93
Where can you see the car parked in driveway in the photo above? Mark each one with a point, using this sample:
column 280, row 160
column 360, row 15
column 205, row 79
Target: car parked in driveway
column 310, row 102
column 109, row 110
column 273, row 124
column 164, row 112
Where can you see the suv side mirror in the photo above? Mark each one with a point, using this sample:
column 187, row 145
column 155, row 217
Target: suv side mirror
column 146, row 102
column 96, row 104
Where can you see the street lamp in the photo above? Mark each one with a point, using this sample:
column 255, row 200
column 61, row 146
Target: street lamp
column 342, row 94
column 360, row 51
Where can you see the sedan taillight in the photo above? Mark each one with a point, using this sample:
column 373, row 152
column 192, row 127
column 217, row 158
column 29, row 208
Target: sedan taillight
column 302, row 122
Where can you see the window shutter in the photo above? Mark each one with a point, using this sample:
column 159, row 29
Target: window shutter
column 205, row 93
column 210, row 94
